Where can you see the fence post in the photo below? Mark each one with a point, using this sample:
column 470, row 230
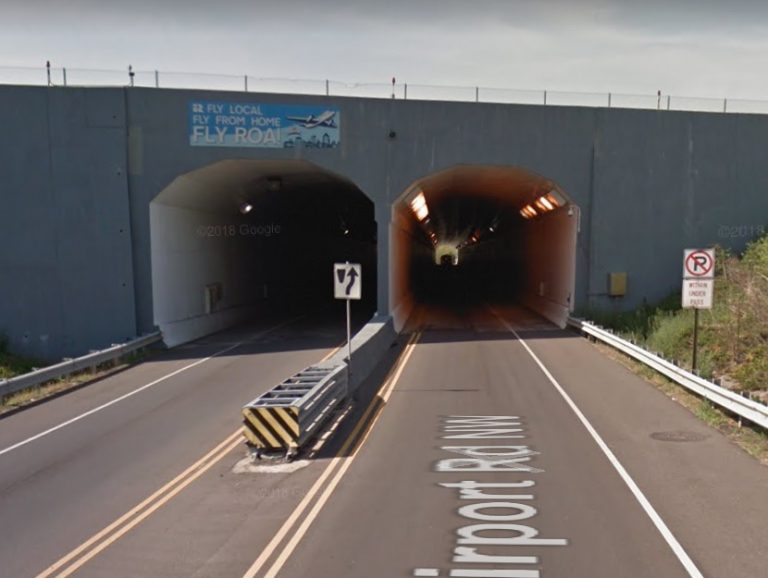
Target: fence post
column 669, row 101
column 609, row 100
column 157, row 79
column 327, row 87
column 48, row 71
column 393, row 87
column 405, row 91
column 64, row 75
column 545, row 98
column 658, row 100
column 725, row 105
column 245, row 82
column 477, row 94
column 130, row 74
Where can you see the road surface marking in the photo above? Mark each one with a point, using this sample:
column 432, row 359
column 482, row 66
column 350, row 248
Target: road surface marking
column 666, row 533
column 104, row 538
column 375, row 405
column 142, row 388
column 213, row 456
column 333, row 352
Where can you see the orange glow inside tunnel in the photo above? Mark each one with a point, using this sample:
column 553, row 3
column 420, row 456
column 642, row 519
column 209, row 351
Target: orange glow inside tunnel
column 475, row 236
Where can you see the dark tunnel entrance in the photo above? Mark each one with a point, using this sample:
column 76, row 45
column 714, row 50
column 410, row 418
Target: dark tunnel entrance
column 482, row 236
column 241, row 239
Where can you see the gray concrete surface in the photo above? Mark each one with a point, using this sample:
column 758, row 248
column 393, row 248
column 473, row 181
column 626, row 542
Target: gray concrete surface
column 79, row 168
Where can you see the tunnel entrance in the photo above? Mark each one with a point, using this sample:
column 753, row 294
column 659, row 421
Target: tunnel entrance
column 242, row 239
column 477, row 236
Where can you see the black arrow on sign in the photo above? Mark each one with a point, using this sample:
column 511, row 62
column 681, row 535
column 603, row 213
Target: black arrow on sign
column 352, row 275
column 340, row 273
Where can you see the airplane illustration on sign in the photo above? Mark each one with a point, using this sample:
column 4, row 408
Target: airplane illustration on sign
column 327, row 119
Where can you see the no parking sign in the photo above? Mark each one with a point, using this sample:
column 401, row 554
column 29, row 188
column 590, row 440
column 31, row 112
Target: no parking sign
column 698, row 278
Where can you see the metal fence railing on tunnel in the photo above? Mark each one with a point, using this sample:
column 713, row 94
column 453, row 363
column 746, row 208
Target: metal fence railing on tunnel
column 81, row 77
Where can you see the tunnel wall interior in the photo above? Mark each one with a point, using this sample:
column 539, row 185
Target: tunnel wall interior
column 460, row 240
column 200, row 282
column 409, row 254
column 549, row 265
column 242, row 251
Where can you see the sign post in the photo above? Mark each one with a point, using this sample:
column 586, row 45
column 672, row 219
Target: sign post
column 698, row 287
column 347, row 285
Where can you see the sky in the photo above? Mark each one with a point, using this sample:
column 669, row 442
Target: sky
column 704, row 48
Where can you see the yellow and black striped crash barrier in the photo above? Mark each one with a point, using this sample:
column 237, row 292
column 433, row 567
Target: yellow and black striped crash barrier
column 291, row 413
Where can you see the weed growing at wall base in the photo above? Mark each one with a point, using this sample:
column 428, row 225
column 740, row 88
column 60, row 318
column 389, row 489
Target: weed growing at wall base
column 733, row 338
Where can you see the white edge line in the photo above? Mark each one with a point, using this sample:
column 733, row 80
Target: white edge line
column 676, row 547
column 140, row 389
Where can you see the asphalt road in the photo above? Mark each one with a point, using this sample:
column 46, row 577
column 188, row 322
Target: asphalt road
column 59, row 489
column 593, row 472
column 557, row 506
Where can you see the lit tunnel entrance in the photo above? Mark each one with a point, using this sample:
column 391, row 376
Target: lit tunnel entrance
column 476, row 236
column 242, row 239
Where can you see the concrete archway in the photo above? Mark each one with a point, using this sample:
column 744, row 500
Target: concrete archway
column 514, row 233
column 241, row 238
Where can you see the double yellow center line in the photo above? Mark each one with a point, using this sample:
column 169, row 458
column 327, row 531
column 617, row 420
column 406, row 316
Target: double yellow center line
column 103, row 539
column 338, row 466
column 70, row 563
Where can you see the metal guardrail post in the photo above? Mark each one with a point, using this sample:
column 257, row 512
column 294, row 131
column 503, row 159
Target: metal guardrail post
column 157, row 79
column 545, row 98
column 64, row 76
column 327, row 87
column 70, row 366
column 477, row 94
column 48, row 71
column 746, row 408
column 245, row 81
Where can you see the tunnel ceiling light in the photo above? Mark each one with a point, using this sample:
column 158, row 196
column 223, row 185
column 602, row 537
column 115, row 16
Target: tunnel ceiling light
column 544, row 204
column 529, row 211
column 419, row 206
column 246, row 208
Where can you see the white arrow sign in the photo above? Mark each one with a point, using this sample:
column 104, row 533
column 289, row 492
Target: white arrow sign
column 347, row 280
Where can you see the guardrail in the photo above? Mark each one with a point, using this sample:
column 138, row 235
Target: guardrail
column 291, row 413
column 129, row 77
column 748, row 409
column 70, row 366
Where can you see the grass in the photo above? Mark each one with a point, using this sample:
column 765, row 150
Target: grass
column 12, row 365
column 754, row 441
column 17, row 365
column 733, row 340
column 733, row 336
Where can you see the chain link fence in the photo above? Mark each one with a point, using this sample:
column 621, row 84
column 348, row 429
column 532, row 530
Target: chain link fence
column 55, row 76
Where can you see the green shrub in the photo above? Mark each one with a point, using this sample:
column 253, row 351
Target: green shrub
column 733, row 336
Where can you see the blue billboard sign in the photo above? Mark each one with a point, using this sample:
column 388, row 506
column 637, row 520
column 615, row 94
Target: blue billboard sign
column 245, row 124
